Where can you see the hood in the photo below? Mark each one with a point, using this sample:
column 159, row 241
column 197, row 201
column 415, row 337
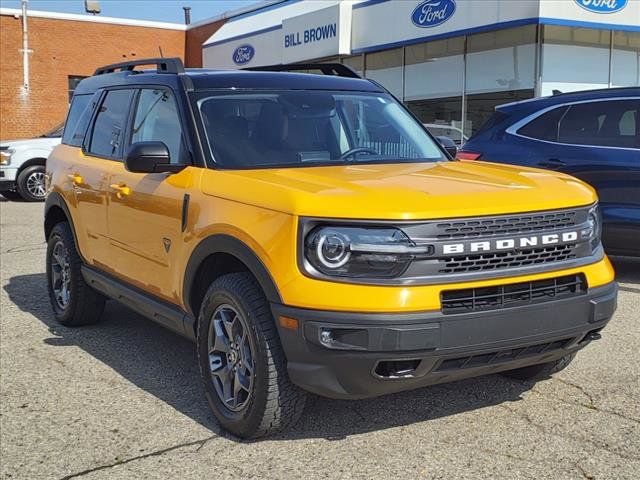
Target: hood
column 401, row 191
column 31, row 143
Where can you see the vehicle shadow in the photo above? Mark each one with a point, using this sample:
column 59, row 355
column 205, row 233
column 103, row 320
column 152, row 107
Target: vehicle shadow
column 164, row 364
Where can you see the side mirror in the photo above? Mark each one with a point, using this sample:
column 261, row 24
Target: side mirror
column 448, row 145
column 150, row 157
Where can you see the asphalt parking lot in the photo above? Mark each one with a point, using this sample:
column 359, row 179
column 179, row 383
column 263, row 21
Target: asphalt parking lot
column 122, row 399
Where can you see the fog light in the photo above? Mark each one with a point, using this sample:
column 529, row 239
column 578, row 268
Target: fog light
column 326, row 337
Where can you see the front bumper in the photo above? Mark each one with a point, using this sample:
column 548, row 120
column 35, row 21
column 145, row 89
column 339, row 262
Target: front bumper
column 375, row 354
column 7, row 178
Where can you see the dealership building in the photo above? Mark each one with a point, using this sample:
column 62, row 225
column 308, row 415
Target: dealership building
column 450, row 61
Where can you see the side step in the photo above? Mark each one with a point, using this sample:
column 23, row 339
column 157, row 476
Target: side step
column 167, row 315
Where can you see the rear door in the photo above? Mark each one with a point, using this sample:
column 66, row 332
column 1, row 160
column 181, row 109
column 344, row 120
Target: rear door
column 91, row 172
column 598, row 142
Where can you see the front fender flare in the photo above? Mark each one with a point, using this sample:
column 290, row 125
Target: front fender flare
column 228, row 244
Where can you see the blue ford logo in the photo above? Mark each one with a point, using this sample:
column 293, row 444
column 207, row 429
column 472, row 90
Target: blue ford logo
column 602, row 6
column 243, row 54
column 431, row 13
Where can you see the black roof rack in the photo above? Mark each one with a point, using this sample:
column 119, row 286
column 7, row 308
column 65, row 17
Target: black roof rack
column 336, row 69
column 164, row 65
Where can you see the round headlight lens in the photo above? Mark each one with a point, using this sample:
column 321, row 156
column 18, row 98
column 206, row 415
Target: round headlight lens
column 332, row 249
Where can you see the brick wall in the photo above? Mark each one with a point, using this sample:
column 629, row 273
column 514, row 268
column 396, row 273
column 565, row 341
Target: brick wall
column 62, row 48
column 195, row 38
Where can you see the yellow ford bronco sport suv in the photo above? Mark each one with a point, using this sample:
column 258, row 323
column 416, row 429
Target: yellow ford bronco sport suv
column 310, row 235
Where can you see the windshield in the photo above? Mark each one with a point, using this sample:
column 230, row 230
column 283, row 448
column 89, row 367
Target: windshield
column 55, row 132
column 307, row 128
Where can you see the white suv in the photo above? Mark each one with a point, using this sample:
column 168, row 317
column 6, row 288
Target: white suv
column 22, row 166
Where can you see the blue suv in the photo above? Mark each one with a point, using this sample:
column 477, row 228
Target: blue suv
column 592, row 135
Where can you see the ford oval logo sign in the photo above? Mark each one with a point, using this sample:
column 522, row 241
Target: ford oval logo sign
column 243, row 54
column 432, row 13
column 602, row 6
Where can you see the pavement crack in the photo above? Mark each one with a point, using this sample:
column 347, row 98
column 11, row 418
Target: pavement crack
column 584, row 473
column 544, row 430
column 590, row 406
column 580, row 389
column 27, row 248
column 155, row 453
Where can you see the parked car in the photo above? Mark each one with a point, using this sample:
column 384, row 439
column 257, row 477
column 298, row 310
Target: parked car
column 441, row 130
column 310, row 235
column 22, row 165
column 592, row 135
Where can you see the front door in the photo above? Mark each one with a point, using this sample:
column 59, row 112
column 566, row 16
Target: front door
column 146, row 209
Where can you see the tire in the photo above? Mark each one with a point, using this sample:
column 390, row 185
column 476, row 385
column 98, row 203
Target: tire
column 77, row 304
column 30, row 184
column 11, row 195
column 540, row 371
column 270, row 402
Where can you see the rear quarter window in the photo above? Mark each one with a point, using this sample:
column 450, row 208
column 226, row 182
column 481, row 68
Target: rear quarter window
column 544, row 127
column 77, row 120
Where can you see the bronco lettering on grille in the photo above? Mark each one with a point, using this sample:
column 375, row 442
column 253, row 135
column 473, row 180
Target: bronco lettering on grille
column 511, row 243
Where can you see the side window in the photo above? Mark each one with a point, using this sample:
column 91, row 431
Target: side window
column 545, row 127
column 110, row 124
column 77, row 120
column 157, row 119
column 609, row 123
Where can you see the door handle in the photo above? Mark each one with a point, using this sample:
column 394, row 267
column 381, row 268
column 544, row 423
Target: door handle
column 552, row 163
column 121, row 189
column 75, row 178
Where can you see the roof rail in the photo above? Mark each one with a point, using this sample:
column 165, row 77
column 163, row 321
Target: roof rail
column 337, row 69
column 164, row 65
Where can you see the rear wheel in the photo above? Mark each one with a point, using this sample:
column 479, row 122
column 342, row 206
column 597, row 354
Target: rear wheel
column 31, row 184
column 74, row 302
column 242, row 363
column 541, row 371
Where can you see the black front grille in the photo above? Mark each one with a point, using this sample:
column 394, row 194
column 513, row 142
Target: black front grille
column 506, row 225
column 510, row 259
column 512, row 295
column 500, row 356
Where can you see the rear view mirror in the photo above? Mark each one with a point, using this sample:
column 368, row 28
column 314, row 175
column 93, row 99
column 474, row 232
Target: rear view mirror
column 150, row 157
column 448, row 145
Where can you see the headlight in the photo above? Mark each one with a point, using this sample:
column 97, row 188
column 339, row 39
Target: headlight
column 360, row 252
column 593, row 230
column 5, row 156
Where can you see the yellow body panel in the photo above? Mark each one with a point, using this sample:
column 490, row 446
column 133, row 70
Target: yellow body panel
column 262, row 207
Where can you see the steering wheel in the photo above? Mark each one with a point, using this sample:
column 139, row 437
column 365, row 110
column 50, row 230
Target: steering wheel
column 353, row 151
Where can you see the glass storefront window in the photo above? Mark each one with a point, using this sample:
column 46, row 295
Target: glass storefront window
column 356, row 63
column 500, row 69
column 503, row 60
column 386, row 68
column 625, row 59
column 433, row 84
column 574, row 59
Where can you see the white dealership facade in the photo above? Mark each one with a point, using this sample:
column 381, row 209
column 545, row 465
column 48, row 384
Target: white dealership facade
column 450, row 61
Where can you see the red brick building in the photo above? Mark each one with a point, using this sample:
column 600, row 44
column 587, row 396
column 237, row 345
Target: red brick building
column 65, row 48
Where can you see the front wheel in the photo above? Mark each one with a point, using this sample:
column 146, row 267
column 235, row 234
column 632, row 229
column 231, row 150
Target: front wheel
column 31, row 184
column 540, row 371
column 242, row 363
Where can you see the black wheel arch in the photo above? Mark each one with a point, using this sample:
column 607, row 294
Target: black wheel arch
column 40, row 161
column 235, row 248
column 56, row 211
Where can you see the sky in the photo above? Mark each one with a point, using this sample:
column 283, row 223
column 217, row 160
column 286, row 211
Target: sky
column 158, row 10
